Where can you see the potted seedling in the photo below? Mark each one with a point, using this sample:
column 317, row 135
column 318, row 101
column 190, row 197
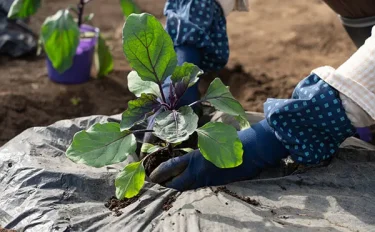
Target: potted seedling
column 70, row 44
column 150, row 52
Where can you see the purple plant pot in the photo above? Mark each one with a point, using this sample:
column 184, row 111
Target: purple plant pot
column 80, row 70
column 364, row 134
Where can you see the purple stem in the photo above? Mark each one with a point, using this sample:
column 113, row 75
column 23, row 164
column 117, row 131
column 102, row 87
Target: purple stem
column 80, row 7
column 142, row 131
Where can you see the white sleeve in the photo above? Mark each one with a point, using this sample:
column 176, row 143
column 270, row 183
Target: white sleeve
column 233, row 5
column 227, row 6
column 355, row 113
column 356, row 77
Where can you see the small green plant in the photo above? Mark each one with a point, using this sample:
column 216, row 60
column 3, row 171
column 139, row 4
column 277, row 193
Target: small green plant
column 149, row 50
column 60, row 33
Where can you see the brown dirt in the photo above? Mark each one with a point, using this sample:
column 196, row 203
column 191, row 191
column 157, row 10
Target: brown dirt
column 154, row 160
column 168, row 204
column 115, row 205
column 277, row 43
column 248, row 200
column 6, row 230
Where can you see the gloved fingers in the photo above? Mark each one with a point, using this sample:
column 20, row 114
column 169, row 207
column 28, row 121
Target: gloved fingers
column 170, row 169
column 182, row 182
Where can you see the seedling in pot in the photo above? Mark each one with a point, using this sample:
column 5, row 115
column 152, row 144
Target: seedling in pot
column 150, row 52
column 63, row 38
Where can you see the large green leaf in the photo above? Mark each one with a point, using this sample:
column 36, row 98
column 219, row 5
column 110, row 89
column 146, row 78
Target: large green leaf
column 101, row 144
column 103, row 58
column 148, row 48
column 60, row 36
column 138, row 110
column 23, row 8
column 176, row 126
column 129, row 7
column 130, row 181
column 220, row 97
column 137, row 86
column 219, row 144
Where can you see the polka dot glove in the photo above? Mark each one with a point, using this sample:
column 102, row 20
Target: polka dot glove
column 312, row 124
column 201, row 24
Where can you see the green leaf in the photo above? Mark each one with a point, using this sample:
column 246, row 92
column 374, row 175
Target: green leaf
column 101, row 145
column 148, row 48
column 187, row 149
column 60, row 36
column 138, row 110
column 150, row 148
column 89, row 17
column 23, row 8
column 219, row 144
column 184, row 77
column 129, row 7
column 103, row 58
column 137, row 86
column 187, row 73
column 39, row 47
column 176, row 126
column 130, row 181
column 220, row 97
column 243, row 122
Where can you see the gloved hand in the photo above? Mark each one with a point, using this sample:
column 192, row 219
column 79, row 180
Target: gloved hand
column 261, row 149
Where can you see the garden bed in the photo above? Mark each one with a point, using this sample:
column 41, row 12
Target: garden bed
column 28, row 98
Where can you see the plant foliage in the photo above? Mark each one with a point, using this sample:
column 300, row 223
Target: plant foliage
column 60, row 33
column 150, row 51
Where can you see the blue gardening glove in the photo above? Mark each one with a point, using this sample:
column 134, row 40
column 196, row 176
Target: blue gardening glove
column 261, row 149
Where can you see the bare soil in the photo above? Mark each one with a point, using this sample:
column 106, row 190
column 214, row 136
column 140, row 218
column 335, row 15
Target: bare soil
column 154, row 160
column 248, row 200
column 273, row 47
column 6, row 230
column 168, row 204
column 115, row 205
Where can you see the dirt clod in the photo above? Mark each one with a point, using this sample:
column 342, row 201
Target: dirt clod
column 155, row 160
column 233, row 194
column 6, row 230
column 168, row 204
column 115, row 205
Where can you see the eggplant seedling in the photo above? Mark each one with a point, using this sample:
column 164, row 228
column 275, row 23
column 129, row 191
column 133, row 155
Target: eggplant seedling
column 150, row 52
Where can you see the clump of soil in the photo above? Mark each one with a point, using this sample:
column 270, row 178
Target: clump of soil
column 154, row 160
column 233, row 194
column 115, row 205
column 168, row 204
column 6, row 230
